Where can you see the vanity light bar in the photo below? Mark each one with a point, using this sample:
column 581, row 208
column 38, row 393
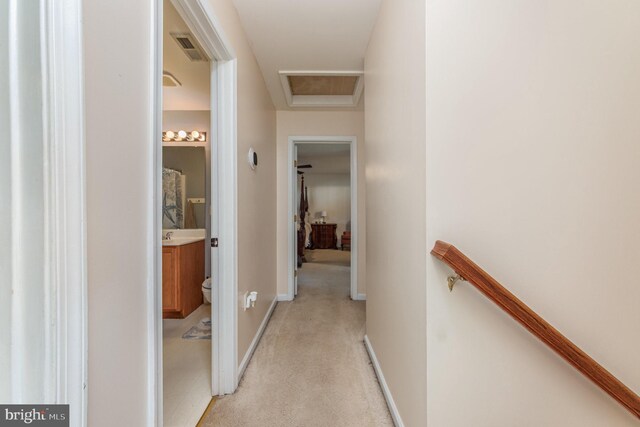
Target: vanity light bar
column 182, row 135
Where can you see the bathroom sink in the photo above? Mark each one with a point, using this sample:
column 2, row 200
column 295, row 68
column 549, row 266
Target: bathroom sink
column 182, row 237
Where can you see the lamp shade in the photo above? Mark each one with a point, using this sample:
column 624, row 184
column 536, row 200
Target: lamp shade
column 323, row 213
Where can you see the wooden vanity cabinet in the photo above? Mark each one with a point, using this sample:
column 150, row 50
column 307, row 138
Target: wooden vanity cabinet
column 182, row 277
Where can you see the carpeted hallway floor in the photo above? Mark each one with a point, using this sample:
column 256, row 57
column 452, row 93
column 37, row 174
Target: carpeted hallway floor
column 311, row 368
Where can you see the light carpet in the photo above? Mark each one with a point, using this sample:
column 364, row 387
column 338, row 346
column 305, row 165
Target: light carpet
column 311, row 367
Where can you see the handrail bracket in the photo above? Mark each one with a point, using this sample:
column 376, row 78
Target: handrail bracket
column 451, row 281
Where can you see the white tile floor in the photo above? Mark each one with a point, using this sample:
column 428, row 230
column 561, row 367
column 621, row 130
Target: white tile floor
column 187, row 371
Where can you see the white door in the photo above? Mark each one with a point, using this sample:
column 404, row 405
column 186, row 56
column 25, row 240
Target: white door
column 214, row 211
column 296, row 219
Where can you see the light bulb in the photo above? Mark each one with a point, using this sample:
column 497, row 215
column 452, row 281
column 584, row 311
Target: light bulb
column 169, row 134
column 195, row 134
column 182, row 134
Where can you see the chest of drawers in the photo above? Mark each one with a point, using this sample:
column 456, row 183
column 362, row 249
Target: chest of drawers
column 323, row 236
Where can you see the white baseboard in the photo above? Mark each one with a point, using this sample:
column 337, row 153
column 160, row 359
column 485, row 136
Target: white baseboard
column 360, row 297
column 256, row 340
column 395, row 415
column 284, row 297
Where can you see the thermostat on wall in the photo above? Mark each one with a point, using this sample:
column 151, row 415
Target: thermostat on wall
column 252, row 158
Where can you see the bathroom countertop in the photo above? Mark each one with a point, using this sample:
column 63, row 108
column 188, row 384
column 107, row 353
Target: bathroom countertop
column 180, row 241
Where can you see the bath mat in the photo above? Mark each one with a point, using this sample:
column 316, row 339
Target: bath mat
column 201, row 331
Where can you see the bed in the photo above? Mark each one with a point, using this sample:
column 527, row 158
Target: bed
column 304, row 224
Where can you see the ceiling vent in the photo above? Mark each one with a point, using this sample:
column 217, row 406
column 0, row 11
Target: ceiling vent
column 322, row 88
column 190, row 46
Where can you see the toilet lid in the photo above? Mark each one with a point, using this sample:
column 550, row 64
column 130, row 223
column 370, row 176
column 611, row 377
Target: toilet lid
column 207, row 283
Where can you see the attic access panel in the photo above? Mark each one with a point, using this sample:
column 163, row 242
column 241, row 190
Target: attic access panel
column 322, row 88
column 322, row 85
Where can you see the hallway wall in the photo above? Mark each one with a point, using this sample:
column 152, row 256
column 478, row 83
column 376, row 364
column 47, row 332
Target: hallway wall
column 256, row 188
column 537, row 186
column 532, row 151
column 120, row 209
column 395, row 209
column 119, row 159
column 327, row 123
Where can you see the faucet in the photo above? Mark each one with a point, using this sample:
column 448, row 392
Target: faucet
column 168, row 235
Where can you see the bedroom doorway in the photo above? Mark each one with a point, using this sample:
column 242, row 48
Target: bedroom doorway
column 323, row 204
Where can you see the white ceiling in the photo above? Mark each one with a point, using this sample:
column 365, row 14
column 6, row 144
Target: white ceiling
column 307, row 35
column 194, row 94
column 325, row 158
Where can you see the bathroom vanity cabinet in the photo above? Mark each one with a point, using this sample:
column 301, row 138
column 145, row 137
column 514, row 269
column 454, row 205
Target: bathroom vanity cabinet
column 182, row 277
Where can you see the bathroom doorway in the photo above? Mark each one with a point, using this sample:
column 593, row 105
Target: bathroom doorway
column 196, row 354
column 186, row 254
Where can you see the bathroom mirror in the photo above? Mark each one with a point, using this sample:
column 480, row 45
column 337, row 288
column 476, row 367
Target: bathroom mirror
column 183, row 187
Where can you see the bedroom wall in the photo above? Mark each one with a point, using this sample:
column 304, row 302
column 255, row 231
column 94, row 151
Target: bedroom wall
column 331, row 193
column 120, row 212
column 539, row 186
column 329, row 123
column 396, row 203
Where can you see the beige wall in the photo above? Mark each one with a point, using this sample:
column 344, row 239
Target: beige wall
column 317, row 123
column 532, row 152
column 330, row 192
column 120, row 213
column 194, row 92
column 256, row 188
column 187, row 120
column 396, row 236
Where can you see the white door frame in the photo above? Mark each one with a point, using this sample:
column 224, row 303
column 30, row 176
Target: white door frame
column 47, row 353
column 296, row 207
column 205, row 26
column 66, row 241
column 292, row 209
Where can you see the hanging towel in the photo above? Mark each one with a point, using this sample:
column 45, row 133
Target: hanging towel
column 190, row 216
column 172, row 199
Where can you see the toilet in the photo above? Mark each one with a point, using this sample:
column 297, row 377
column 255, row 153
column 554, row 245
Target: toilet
column 206, row 290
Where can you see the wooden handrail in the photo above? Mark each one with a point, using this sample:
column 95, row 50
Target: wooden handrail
column 539, row 327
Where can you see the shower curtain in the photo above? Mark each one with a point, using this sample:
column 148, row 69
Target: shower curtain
column 173, row 198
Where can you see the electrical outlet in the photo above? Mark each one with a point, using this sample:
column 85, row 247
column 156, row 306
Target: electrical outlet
column 253, row 297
